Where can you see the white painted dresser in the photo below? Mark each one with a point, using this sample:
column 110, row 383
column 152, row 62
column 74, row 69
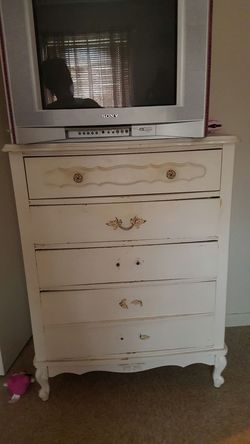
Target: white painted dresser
column 125, row 247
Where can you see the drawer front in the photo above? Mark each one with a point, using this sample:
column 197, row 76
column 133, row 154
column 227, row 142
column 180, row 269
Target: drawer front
column 172, row 220
column 144, row 301
column 83, row 176
column 71, row 267
column 90, row 340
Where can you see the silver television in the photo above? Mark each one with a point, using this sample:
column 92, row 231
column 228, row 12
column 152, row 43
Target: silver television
column 89, row 69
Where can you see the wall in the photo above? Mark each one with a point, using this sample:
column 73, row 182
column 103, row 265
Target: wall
column 14, row 315
column 230, row 103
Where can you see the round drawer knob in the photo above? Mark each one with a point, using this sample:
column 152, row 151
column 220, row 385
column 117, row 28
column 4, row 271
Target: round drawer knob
column 171, row 174
column 78, row 177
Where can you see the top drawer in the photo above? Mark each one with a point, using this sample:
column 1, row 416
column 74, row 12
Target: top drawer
column 86, row 176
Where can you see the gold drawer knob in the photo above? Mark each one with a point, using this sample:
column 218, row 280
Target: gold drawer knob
column 171, row 174
column 118, row 223
column 123, row 304
column 78, row 178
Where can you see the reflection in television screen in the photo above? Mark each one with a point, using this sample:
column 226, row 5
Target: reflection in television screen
column 119, row 53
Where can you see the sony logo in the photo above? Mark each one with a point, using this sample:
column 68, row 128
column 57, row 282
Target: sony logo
column 109, row 116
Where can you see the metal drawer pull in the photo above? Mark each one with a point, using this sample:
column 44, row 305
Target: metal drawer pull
column 123, row 303
column 137, row 302
column 78, row 177
column 171, row 174
column 144, row 337
column 118, row 223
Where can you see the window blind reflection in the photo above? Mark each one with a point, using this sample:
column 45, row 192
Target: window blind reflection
column 99, row 65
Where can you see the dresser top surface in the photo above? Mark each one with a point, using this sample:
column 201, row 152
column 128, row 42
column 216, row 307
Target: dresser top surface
column 119, row 146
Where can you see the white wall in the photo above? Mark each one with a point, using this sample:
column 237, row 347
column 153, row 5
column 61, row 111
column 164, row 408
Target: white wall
column 14, row 314
column 230, row 103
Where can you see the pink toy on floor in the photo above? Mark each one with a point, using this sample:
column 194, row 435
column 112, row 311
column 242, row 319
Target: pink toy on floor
column 18, row 384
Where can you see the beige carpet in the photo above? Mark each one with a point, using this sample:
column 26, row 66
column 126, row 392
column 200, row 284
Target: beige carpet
column 167, row 405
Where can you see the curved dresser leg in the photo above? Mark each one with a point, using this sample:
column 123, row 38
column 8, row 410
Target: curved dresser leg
column 220, row 365
column 43, row 379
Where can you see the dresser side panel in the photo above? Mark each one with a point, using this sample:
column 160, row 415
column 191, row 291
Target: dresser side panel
column 23, row 213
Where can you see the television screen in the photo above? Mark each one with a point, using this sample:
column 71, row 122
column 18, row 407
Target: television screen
column 107, row 53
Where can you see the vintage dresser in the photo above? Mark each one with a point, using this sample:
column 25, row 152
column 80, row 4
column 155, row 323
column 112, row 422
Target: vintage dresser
column 125, row 246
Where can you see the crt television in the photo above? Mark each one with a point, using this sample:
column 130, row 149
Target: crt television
column 90, row 69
